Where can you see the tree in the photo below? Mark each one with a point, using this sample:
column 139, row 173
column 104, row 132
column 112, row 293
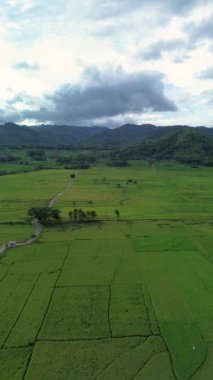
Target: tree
column 40, row 213
column 117, row 213
column 78, row 215
column 75, row 214
column 55, row 213
column 93, row 214
column 71, row 215
column 44, row 214
column 81, row 215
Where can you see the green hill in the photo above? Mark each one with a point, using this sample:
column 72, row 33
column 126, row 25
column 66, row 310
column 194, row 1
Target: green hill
column 45, row 135
column 181, row 143
column 186, row 145
column 126, row 134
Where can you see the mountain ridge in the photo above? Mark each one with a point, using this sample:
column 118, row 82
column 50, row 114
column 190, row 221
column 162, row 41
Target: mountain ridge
column 94, row 137
column 187, row 146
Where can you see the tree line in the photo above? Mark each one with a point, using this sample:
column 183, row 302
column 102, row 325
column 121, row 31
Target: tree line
column 49, row 214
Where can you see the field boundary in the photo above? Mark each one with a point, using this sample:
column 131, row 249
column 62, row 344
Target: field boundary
column 47, row 308
column 22, row 309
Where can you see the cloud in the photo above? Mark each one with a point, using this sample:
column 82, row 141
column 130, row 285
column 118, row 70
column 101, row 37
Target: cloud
column 105, row 94
column 9, row 114
column 23, row 5
column 16, row 105
column 64, row 37
column 14, row 100
column 156, row 49
column 182, row 6
column 207, row 97
column 21, row 97
column 205, row 74
column 114, row 8
column 200, row 30
column 194, row 33
column 26, row 66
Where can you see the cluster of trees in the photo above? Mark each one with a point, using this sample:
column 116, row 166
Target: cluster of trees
column 78, row 215
column 37, row 154
column 44, row 214
column 8, row 158
column 131, row 181
column 117, row 162
column 48, row 214
column 8, row 172
column 78, row 161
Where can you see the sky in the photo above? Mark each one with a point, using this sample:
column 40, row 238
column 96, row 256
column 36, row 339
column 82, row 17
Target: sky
column 106, row 62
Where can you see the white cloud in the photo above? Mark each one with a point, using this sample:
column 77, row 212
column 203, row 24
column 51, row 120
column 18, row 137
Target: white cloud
column 62, row 38
column 24, row 5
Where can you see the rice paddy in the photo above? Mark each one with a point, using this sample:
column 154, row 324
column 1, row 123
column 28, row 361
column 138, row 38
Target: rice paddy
column 122, row 298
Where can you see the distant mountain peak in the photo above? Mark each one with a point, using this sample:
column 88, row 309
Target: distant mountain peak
column 10, row 124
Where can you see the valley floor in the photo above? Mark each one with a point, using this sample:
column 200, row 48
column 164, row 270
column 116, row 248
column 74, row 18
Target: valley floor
column 116, row 299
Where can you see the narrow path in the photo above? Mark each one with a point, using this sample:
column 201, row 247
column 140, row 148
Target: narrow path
column 2, row 248
column 38, row 227
column 54, row 199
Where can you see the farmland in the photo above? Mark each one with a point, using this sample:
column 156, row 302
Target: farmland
column 126, row 297
column 19, row 192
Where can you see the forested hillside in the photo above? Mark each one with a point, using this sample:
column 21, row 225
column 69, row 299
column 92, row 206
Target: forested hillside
column 87, row 137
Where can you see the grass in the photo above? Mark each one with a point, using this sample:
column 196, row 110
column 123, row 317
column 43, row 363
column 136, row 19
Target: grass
column 27, row 326
column 105, row 359
column 128, row 313
column 158, row 368
column 168, row 192
column 115, row 299
column 18, row 232
column 13, row 363
column 19, row 192
column 36, row 259
column 78, row 312
column 181, row 330
column 91, row 262
column 15, row 291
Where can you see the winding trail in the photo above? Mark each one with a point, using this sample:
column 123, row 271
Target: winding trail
column 38, row 227
column 54, row 199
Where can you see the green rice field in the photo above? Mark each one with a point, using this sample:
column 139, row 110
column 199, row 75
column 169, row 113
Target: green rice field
column 127, row 297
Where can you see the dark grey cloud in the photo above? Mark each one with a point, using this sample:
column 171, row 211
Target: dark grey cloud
column 23, row 65
column 105, row 94
column 206, row 74
column 9, row 114
column 156, row 49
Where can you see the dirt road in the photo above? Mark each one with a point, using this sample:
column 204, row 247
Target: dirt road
column 38, row 227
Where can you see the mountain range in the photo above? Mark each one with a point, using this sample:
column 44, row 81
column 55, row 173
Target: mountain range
column 88, row 137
